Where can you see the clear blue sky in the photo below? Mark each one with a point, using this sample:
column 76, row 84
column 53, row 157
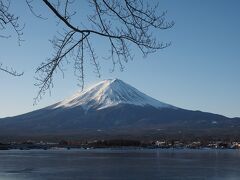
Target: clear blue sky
column 200, row 71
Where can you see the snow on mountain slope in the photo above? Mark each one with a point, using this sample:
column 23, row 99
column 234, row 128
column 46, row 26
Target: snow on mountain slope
column 110, row 93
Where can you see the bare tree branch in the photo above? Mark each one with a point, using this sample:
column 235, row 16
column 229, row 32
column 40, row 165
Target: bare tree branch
column 63, row 48
column 10, row 71
column 9, row 21
column 123, row 24
column 30, row 6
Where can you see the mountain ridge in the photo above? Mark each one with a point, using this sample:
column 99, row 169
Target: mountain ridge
column 113, row 108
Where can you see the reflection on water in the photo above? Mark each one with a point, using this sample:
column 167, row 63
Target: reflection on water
column 120, row 164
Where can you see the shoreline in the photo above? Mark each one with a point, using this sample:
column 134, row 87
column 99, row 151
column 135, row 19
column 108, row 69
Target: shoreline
column 26, row 148
column 120, row 144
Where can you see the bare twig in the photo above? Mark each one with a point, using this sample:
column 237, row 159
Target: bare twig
column 10, row 71
column 30, row 6
column 9, row 21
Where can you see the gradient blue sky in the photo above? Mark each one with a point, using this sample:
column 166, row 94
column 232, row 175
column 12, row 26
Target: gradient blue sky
column 200, row 71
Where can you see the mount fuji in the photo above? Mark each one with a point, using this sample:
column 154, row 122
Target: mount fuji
column 113, row 108
column 109, row 93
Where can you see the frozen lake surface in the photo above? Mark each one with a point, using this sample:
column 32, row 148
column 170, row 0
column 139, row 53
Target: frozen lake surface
column 105, row 164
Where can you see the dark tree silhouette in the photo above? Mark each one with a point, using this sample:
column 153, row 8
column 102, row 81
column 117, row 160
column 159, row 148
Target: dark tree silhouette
column 124, row 24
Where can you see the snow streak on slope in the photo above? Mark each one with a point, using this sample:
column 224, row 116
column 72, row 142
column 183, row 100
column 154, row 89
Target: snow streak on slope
column 109, row 93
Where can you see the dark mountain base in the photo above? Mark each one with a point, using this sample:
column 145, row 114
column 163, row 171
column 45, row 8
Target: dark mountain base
column 131, row 134
column 119, row 122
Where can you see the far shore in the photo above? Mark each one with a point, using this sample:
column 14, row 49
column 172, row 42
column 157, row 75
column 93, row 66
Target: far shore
column 119, row 143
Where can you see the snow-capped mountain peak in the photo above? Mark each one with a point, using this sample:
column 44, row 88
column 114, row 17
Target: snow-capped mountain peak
column 110, row 93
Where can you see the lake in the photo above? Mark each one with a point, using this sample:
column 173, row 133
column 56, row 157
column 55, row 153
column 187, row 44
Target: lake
column 139, row 164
